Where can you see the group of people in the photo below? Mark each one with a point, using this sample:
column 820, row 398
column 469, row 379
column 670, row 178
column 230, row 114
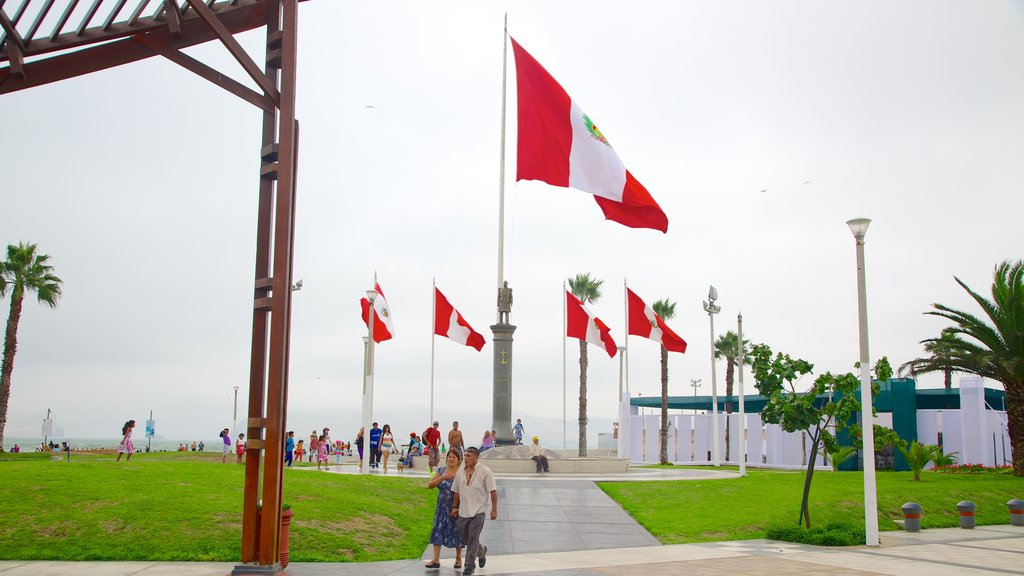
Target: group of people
column 466, row 493
column 195, row 447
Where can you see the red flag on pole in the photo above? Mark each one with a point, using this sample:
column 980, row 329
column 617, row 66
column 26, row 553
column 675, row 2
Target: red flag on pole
column 383, row 329
column 560, row 145
column 644, row 322
column 581, row 323
column 450, row 324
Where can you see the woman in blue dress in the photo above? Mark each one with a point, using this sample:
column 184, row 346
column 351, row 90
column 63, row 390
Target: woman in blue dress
column 444, row 532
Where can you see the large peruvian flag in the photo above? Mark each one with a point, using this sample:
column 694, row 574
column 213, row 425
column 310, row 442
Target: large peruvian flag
column 644, row 322
column 560, row 145
column 581, row 323
column 383, row 329
column 449, row 323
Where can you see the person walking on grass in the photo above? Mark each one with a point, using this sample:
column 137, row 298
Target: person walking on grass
column 289, row 448
column 126, row 446
column 472, row 488
column 225, row 436
column 240, row 447
column 445, row 533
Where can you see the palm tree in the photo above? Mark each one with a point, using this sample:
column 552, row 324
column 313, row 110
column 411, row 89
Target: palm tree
column 667, row 310
column 728, row 346
column 993, row 346
column 24, row 270
column 938, row 361
column 588, row 290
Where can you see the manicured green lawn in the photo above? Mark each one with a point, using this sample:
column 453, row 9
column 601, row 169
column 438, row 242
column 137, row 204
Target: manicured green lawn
column 709, row 510
column 187, row 506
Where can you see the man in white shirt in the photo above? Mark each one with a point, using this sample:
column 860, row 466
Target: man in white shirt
column 537, row 453
column 473, row 487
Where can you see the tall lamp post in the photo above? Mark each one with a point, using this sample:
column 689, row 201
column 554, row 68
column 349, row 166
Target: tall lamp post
column 371, row 295
column 711, row 309
column 695, row 383
column 623, row 445
column 234, row 413
column 859, row 227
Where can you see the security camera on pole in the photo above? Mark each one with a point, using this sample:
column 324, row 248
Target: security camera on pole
column 711, row 309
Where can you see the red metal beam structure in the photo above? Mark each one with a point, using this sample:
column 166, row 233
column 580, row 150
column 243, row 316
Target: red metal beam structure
column 102, row 39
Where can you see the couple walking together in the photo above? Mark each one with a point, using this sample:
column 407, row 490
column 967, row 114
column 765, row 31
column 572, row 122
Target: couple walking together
column 465, row 493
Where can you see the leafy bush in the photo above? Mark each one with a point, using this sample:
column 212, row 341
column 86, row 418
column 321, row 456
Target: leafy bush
column 974, row 469
column 918, row 456
column 832, row 534
column 943, row 459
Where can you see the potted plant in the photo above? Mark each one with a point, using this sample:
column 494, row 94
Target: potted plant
column 286, row 525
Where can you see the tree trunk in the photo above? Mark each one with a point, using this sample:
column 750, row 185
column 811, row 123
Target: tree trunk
column 583, row 398
column 10, row 347
column 805, row 509
column 947, row 378
column 730, row 365
column 663, row 456
column 1015, row 423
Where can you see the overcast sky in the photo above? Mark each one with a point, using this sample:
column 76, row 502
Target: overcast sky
column 760, row 128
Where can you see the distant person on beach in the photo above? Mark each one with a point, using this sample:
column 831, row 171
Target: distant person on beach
column 473, row 487
column 455, row 441
column 289, row 448
column 240, row 447
column 225, row 436
column 537, row 455
column 126, row 447
column 432, row 438
column 201, row 446
column 445, row 532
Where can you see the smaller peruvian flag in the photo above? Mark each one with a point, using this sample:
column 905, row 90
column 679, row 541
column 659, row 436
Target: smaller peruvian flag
column 449, row 323
column 383, row 329
column 581, row 323
column 644, row 322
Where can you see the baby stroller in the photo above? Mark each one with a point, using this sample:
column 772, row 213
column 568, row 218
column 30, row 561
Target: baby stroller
column 405, row 461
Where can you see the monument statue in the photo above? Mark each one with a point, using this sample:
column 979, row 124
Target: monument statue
column 504, row 303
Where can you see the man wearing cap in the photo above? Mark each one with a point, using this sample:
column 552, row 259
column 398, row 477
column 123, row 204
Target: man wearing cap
column 432, row 437
column 472, row 488
column 537, row 454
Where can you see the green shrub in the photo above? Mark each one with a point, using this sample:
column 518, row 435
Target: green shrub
column 833, row 534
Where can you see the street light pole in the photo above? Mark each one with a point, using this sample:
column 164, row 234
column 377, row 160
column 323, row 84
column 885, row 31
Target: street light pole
column 711, row 309
column 695, row 383
column 234, row 414
column 371, row 295
column 743, row 413
column 859, row 227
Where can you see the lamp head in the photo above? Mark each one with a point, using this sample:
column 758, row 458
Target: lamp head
column 859, row 227
column 712, row 294
column 371, row 295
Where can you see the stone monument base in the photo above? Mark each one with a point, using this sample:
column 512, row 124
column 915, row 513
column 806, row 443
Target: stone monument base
column 517, row 460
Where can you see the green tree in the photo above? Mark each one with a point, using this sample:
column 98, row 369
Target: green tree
column 918, row 456
column 992, row 346
column 588, row 290
column 23, row 271
column 667, row 310
column 829, row 403
column 938, row 360
column 728, row 346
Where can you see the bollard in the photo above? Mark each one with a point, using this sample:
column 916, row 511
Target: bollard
column 1016, row 512
column 966, row 510
column 912, row 517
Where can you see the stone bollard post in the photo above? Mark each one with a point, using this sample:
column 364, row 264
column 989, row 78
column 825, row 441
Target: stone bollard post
column 1016, row 511
column 966, row 510
column 912, row 517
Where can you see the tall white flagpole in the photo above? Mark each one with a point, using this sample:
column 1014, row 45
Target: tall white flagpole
column 565, row 312
column 625, row 300
column 501, row 171
column 433, row 327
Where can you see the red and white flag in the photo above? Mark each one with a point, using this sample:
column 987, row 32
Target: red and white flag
column 560, row 145
column 449, row 323
column 383, row 329
column 644, row 322
column 581, row 323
